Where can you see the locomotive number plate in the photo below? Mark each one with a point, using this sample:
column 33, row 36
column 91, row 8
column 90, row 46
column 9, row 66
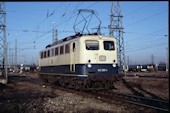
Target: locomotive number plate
column 102, row 70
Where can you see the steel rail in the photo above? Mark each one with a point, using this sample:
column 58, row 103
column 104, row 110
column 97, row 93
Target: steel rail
column 144, row 105
column 117, row 97
column 146, row 98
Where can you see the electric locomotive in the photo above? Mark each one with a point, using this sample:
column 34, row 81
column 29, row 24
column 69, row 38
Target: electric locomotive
column 81, row 61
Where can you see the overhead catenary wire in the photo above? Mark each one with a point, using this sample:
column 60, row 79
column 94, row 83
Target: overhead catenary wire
column 138, row 9
column 146, row 47
column 65, row 20
column 145, row 36
column 146, row 18
column 35, row 38
column 68, row 19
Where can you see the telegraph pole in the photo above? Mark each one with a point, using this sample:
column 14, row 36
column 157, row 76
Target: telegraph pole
column 167, row 52
column 128, row 60
column 116, row 30
column 15, row 67
column 3, row 45
column 152, row 59
column 167, row 60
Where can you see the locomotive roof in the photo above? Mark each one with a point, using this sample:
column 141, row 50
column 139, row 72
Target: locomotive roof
column 78, row 35
column 69, row 38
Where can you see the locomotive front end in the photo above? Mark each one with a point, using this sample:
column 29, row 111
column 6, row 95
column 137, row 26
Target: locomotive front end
column 99, row 54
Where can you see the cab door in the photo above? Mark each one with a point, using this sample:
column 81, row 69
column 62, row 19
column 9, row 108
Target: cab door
column 72, row 56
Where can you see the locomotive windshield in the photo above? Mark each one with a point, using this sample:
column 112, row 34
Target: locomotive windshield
column 109, row 45
column 92, row 45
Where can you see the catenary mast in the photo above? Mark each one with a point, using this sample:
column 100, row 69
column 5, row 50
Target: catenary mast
column 116, row 30
column 3, row 45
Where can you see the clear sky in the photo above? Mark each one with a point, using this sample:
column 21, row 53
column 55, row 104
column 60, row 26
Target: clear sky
column 145, row 25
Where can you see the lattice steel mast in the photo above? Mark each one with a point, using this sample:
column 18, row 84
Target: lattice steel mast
column 116, row 30
column 3, row 46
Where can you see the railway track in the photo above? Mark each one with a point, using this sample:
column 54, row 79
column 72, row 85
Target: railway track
column 133, row 101
column 156, row 104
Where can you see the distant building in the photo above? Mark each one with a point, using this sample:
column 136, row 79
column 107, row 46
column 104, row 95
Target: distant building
column 162, row 67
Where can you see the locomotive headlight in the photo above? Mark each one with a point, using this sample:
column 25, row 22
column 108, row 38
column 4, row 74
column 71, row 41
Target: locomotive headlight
column 114, row 65
column 89, row 64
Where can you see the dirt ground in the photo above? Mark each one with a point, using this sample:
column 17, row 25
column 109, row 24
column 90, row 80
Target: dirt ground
column 148, row 84
column 26, row 94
